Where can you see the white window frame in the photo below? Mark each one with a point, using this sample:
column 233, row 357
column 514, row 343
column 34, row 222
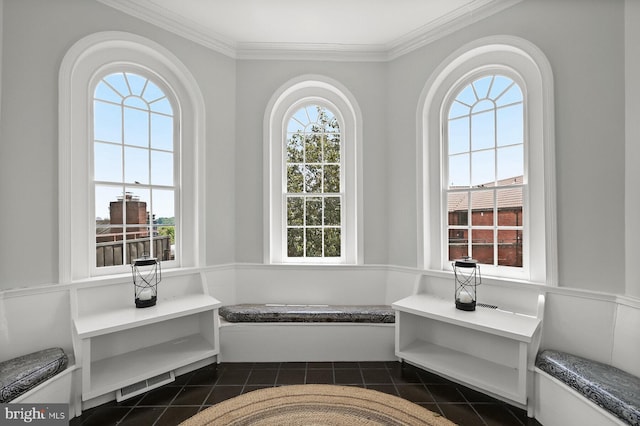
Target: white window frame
column 523, row 59
column 168, row 92
column 518, row 272
column 306, row 90
column 87, row 59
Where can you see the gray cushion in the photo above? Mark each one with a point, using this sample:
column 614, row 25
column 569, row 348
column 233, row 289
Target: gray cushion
column 18, row 375
column 308, row 313
column 613, row 389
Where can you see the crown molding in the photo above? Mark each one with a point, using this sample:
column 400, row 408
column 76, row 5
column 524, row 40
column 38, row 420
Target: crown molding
column 447, row 24
column 312, row 52
column 150, row 12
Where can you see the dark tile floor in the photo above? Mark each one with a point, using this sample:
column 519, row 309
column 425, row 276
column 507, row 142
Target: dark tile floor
column 195, row 391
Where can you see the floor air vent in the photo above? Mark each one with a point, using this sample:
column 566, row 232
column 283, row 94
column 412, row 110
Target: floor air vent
column 144, row 386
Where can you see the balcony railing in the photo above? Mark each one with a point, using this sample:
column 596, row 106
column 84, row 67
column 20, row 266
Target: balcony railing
column 111, row 253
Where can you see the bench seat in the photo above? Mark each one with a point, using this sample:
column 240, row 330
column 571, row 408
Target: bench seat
column 609, row 387
column 308, row 313
column 19, row 375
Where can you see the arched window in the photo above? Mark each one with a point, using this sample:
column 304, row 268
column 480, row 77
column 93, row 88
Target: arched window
column 312, row 138
column 485, row 185
column 134, row 157
column 488, row 161
column 313, row 193
column 131, row 157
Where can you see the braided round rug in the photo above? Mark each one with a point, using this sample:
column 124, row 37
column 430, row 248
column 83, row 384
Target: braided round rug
column 305, row 405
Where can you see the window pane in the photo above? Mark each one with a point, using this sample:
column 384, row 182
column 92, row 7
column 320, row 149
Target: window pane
column 510, row 207
column 298, row 121
column 108, row 253
column 106, row 93
column 332, row 179
column 295, row 211
column 161, row 168
column 162, row 132
column 458, row 135
column 512, row 95
column 164, row 221
column 510, row 248
column 332, row 215
column 483, row 130
column 118, row 83
column 136, row 127
column 313, row 148
column 467, row 96
column 314, row 242
column 500, row 84
column 107, row 122
column 482, row 245
column 138, row 207
column 152, row 92
column 484, row 105
column 107, row 162
column 510, row 125
column 332, row 148
column 295, row 242
column 136, row 83
column 510, row 164
column 104, row 196
column 458, row 110
column 482, row 208
column 295, row 153
column 458, row 204
column 458, row 244
column 313, row 179
column 482, row 86
column 136, row 165
column 135, row 102
column 483, row 168
column 295, row 178
column 163, row 105
column 459, row 172
column 313, row 211
column 164, row 206
column 332, row 242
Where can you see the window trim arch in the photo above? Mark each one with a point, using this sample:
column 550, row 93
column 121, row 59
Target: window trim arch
column 300, row 91
column 86, row 59
column 523, row 59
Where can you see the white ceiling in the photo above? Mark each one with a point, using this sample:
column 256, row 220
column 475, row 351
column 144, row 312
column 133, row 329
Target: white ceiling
column 362, row 29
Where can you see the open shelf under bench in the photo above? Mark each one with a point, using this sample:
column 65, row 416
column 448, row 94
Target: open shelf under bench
column 486, row 349
column 123, row 346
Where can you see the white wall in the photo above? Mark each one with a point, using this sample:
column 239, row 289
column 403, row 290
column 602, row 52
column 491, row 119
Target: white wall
column 257, row 81
column 583, row 41
column 37, row 34
column 632, row 153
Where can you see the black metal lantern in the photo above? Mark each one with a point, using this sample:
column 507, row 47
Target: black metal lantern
column 467, row 278
column 147, row 274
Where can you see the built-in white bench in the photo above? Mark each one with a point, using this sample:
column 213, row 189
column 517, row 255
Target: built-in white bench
column 587, row 332
column 326, row 292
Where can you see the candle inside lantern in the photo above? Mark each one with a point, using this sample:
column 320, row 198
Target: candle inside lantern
column 465, row 297
column 145, row 294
